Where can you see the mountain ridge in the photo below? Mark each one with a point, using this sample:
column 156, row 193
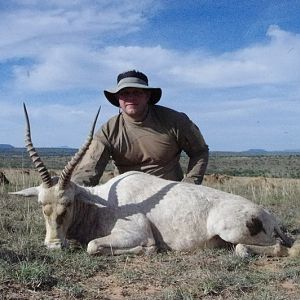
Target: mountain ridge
column 67, row 149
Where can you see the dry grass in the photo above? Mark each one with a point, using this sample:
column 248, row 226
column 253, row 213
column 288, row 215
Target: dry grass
column 279, row 195
column 29, row 271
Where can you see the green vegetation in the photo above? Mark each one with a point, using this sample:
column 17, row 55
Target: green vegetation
column 280, row 165
column 54, row 158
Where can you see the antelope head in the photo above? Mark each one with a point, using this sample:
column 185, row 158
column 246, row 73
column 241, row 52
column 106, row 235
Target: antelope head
column 55, row 194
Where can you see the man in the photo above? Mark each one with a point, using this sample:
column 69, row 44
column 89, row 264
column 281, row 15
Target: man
column 143, row 137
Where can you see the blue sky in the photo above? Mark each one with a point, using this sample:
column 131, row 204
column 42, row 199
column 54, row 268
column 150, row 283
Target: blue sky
column 231, row 66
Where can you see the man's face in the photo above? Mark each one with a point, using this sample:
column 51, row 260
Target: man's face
column 134, row 102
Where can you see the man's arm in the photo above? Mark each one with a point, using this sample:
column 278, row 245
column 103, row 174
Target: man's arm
column 90, row 169
column 195, row 147
column 197, row 167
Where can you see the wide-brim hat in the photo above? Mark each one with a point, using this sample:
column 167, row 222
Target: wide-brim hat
column 133, row 82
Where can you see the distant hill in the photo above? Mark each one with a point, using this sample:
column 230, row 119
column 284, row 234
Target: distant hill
column 293, row 151
column 6, row 146
column 255, row 151
column 66, row 150
column 265, row 152
column 51, row 151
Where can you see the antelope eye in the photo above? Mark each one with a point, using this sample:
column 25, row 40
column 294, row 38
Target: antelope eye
column 61, row 213
column 47, row 210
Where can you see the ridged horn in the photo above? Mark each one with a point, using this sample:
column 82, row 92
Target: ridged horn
column 46, row 178
column 66, row 174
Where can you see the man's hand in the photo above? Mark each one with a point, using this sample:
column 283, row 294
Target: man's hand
column 193, row 180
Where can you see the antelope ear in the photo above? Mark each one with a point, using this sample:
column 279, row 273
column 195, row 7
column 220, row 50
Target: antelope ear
column 30, row 192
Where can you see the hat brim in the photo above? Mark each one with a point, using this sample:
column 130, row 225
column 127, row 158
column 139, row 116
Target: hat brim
column 111, row 94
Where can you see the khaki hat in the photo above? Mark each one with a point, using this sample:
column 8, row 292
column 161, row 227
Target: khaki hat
column 132, row 79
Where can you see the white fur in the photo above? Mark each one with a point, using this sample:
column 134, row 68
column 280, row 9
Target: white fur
column 136, row 212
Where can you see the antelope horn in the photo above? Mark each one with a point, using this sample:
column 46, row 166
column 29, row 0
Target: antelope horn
column 66, row 174
column 46, row 178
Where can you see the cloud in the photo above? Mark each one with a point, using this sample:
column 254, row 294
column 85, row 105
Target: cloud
column 35, row 24
column 60, row 46
column 67, row 66
column 274, row 62
column 51, row 124
column 59, row 68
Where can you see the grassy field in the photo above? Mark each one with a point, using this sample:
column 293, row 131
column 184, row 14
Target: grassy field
column 29, row 271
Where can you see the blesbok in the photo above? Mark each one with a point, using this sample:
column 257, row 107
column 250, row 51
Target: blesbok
column 138, row 213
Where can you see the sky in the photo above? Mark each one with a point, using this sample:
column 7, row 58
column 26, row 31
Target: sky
column 232, row 66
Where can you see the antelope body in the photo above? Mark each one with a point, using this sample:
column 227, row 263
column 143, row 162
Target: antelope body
column 137, row 212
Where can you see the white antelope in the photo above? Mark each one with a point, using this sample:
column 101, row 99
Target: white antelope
column 138, row 213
